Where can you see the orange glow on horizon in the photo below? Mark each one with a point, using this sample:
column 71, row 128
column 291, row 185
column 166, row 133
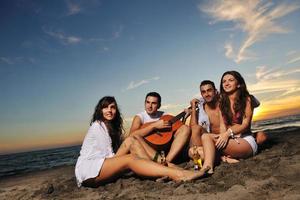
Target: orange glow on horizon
column 66, row 137
column 277, row 108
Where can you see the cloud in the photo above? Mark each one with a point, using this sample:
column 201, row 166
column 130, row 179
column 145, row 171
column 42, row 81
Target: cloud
column 16, row 60
column 172, row 106
column 118, row 32
column 62, row 37
column 73, row 8
column 7, row 60
column 255, row 18
column 229, row 50
column 293, row 57
column 114, row 35
column 274, row 81
column 133, row 85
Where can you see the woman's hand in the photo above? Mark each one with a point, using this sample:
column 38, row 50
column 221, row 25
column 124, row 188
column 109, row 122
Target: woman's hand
column 222, row 140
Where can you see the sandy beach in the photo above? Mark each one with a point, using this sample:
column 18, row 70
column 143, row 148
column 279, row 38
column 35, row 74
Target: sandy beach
column 272, row 174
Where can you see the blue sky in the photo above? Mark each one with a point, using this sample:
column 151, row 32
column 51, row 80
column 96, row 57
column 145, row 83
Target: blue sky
column 58, row 58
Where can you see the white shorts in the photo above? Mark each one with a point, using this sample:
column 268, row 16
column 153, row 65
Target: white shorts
column 250, row 139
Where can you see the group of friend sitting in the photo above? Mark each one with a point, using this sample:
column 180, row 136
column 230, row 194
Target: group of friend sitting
column 219, row 128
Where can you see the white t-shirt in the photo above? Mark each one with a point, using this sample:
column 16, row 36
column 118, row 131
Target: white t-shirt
column 97, row 146
column 145, row 117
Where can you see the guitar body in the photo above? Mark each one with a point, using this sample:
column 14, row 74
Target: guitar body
column 162, row 138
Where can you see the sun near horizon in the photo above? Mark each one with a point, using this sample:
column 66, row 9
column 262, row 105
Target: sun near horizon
column 270, row 110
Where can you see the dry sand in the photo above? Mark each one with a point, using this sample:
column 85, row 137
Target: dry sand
column 272, row 174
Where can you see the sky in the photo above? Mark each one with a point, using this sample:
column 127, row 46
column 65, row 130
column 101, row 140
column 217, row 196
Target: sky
column 59, row 57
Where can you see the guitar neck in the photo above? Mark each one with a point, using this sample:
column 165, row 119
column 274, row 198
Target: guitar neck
column 177, row 117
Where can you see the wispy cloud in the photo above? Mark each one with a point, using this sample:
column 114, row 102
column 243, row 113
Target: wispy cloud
column 117, row 33
column 254, row 17
column 62, row 37
column 172, row 106
column 293, row 57
column 133, row 84
column 16, row 60
column 275, row 80
column 7, row 60
column 73, row 7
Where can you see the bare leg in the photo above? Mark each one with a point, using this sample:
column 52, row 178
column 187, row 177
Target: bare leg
column 209, row 149
column 182, row 135
column 132, row 145
column 238, row 150
column 146, row 147
column 112, row 166
column 196, row 136
column 125, row 146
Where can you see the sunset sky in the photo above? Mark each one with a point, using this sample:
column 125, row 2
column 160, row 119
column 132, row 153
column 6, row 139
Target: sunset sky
column 58, row 58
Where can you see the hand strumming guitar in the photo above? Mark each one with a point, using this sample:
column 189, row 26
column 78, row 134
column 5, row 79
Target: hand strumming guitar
column 162, row 124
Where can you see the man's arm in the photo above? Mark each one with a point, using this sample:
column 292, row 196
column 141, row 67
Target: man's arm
column 137, row 130
column 194, row 113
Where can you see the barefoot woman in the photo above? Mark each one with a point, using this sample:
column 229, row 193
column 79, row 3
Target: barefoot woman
column 235, row 140
column 98, row 162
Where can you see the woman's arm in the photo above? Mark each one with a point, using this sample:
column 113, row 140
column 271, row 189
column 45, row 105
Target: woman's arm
column 223, row 137
column 241, row 128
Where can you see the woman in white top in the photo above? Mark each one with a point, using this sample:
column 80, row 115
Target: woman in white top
column 101, row 159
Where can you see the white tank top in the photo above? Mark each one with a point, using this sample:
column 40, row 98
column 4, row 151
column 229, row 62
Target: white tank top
column 145, row 117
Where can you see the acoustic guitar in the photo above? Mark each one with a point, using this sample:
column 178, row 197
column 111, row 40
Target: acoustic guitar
column 160, row 139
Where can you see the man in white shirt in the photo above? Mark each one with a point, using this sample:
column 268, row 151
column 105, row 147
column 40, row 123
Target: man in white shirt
column 152, row 114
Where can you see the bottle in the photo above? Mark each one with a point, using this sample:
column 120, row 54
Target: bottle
column 196, row 166
column 163, row 158
column 196, row 157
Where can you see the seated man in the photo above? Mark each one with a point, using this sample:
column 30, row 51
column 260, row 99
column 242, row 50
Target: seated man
column 206, row 119
column 152, row 114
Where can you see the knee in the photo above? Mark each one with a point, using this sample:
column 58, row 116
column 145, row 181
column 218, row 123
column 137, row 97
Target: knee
column 128, row 141
column 205, row 137
column 134, row 148
column 133, row 144
column 196, row 130
column 185, row 130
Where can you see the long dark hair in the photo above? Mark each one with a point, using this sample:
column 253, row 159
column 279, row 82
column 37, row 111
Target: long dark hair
column 115, row 126
column 240, row 100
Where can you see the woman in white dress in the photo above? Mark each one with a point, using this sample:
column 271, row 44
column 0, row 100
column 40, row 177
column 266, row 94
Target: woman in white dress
column 101, row 159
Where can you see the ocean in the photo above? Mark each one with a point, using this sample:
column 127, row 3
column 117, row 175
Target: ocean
column 20, row 163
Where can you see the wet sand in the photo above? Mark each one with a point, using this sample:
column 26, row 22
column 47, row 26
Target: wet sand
column 272, row 174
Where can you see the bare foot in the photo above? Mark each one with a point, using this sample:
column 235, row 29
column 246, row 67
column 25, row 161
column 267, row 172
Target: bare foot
column 261, row 137
column 169, row 164
column 229, row 160
column 188, row 175
column 162, row 179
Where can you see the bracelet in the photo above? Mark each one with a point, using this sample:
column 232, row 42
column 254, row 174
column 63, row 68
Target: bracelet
column 231, row 133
